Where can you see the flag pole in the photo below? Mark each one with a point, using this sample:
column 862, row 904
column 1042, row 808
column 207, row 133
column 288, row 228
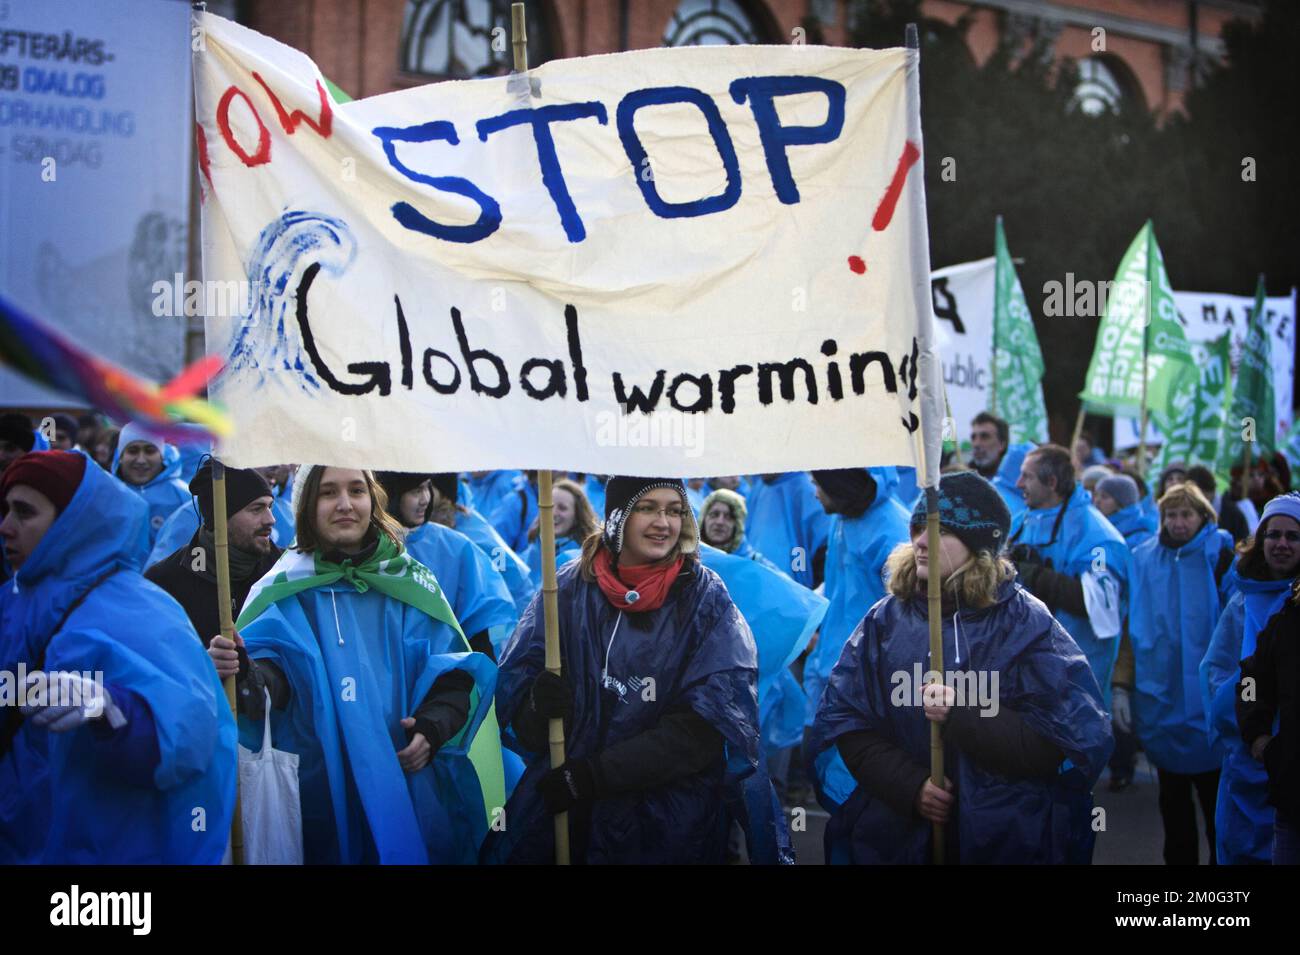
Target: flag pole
column 1078, row 427
column 993, row 365
column 1146, row 331
column 226, row 619
column 545, row 520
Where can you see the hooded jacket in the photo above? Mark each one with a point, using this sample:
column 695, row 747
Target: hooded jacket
column 787, row 524
column 164, row 493
column 855, row 563
column 998, row 817
column 78, row 603
column 694, row 653
column 1243, row 819
column 1076, row 543
column 1174, row 604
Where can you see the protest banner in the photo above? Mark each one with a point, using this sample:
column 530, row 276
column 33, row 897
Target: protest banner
column 673, row 261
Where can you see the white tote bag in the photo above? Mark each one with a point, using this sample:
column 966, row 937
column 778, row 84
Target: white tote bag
column 271, row 811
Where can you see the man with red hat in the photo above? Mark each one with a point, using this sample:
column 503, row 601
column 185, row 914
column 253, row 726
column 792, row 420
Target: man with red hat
column 116, row 743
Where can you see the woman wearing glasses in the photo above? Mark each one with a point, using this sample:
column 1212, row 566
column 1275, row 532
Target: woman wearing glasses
column 1265, row 571
column 657, row 694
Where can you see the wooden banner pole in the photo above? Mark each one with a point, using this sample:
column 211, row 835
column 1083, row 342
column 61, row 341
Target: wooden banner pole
column 226, row 618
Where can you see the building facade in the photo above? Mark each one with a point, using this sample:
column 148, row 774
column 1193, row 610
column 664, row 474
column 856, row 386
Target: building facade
column 1144, row 51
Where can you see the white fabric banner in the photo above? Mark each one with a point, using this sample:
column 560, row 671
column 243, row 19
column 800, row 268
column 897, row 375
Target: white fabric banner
column 1207, row 315
column 963, row 326
column 729, row 241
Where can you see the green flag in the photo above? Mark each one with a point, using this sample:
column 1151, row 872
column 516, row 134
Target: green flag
column 1139, row 315
column 1291, row 448
column 1201, row 404
column 1252, row 414
column 1017, row 359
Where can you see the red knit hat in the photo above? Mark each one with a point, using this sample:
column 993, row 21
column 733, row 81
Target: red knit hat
column 56, row 474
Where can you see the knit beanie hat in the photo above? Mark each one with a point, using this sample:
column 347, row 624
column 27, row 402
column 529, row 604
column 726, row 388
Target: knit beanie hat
column 1122, row 488
column 621, row 497
column 1286, row 504
column 243, row 487
column 448, row 485
column 852, row 489
column 17, row 430
column 739, row 512
column 56, row 474
column 1094, row 474
column 972, row 509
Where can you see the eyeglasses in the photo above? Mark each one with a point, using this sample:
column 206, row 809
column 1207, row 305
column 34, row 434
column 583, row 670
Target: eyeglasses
column 1291, row 537
column 674, row 512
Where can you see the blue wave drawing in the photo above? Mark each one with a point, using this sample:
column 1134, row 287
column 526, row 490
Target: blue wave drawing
column 267, row 341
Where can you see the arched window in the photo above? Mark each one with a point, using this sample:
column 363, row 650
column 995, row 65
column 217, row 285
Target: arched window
column 711, row 23
column 465, row 38
column 1099, row 88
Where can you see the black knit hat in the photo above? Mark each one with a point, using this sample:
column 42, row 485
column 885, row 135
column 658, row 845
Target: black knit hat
column 448, row 485
column 243, row 487
column 972, row 509
column 852, row 490
column 17, row 430
column 621, row 496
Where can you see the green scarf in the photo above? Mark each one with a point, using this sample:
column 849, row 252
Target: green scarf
column 394, row 573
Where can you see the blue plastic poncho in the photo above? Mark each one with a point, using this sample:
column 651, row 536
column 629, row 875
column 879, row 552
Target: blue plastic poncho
column 513, row 512
column 782, row 616
column 282, row 508
column 906, row 490
column 855, row 563
column 786, row 523
column 1081, row 541
column 163, row 494
column 746, row 550
column 700, row 654
column 1173, row 607
column 594, row 488
column 59, row 802
column 476, row 592
column 1135, row 524
column 1041, row 675
column 358, row 662
column 1007, row 476
column 567, row 550
column 509, row 564
column 489, row 489
column 1243, row 818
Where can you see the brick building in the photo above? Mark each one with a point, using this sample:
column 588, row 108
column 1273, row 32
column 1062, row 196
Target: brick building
column 1147, row 51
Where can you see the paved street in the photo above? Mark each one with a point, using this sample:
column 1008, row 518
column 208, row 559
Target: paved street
column 1133, row 834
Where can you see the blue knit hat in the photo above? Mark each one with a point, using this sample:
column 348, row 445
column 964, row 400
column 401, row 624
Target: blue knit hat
column 972, row 509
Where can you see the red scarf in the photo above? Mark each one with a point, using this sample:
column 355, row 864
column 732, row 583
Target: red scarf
column 650, row 581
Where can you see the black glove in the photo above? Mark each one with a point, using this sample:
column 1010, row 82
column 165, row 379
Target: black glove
column 1024, row 554
column 571, row 783
column 1028, row 574
column 551, row 697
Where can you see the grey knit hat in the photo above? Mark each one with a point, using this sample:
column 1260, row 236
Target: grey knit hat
column 1122, row 488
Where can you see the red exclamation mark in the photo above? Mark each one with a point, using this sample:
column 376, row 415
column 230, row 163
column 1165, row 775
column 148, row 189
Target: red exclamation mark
column 888, row 202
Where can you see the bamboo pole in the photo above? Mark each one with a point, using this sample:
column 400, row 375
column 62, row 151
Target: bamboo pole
column 545, row 521
column 227, row 629
column 933, row 595
column 912, row 42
